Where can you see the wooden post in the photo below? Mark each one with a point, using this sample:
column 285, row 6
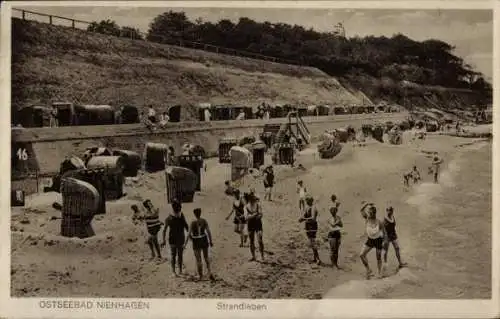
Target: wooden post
column 73, row 24
column 50, row 19
column 24, row 15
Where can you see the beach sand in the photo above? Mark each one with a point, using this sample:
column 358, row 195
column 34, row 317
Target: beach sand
column 444, row 230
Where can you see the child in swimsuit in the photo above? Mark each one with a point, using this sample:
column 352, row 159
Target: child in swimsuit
column 254, row 224
column 375, row 231
column 415, row 175
column 335, row 224
column 238, row 208
column 268, row 182
column 311, row 226
column 153, row 226
column 392, row 237
column 302, row 191
column 199, row 233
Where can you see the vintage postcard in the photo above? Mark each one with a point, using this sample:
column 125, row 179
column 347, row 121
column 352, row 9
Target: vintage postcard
column 253, row 159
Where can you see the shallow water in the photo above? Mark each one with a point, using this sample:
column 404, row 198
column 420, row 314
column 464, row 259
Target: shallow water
column 450, row 243
column 446, row 240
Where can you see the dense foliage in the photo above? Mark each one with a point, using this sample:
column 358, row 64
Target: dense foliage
column 430, row 62
column 110, row 27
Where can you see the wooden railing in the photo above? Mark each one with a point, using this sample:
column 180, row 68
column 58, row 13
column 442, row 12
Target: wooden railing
column 157, row 38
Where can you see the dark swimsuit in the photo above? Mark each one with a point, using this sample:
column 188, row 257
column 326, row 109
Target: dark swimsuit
column 198, row 234
column 254, row 224
column 334, row 234
column 311, row 224
column 239, row 213
column 390, row 228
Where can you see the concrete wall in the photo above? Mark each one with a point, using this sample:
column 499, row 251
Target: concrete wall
column 47, row 147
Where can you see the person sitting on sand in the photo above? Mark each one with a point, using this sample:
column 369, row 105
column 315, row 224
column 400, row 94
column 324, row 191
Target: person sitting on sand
column 176, row 237
column 199, row 233
column 392, row 237
column 254, row 224
column 311, row 226
column 302, row 191
column 229, row 191
column 435, row 167
column 335, row 224
column 238, row 208
column 153, row 226
column 375, row 231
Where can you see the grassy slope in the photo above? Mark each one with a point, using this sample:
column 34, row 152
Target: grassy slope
column 58, row 63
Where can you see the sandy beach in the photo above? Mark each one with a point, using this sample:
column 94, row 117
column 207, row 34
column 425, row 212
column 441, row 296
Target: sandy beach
column 444, row 230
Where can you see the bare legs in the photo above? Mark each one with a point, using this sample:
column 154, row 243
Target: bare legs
column 334, row 251
column 395, row 244
column 252, row 244
column 199, row 264
column 240, row 229
column 363, row 258
column 176, row 253
column 154, row 245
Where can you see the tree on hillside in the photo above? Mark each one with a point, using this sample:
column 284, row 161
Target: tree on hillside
column 108, row 27
column 399, row 58
column 170, row 25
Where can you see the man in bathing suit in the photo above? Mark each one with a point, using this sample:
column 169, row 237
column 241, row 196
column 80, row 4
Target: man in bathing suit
column 153, row 225
column 238, row 208
column 254, row 224
column 302, row 191
column 199, row 233
column 311, row 226
column 436, row 165
column 335, row 224
column 392, row 237
column 375, row 231
column 176, row 236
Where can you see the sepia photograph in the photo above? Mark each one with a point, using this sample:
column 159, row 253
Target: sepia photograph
column 250, row 152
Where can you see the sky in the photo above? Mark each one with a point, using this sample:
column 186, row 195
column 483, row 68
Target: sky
column 470, row 31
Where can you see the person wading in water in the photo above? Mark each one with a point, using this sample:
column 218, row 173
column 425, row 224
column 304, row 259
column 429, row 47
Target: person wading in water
column 392, row 237
column 311, row 226
column 199, row 233
column 254, row 224
column 268, row 182
column 375, row 232
column 335, row 224
column 176, row 236
column 239, row 217
column 153, row 225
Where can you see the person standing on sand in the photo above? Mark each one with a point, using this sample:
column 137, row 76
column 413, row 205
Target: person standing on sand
column 268, row 182
column 415, row 175
column 176, row 236
column 254, row 224
column 311, row 226
column 153, row 226
column 375, row 232
column 199, row 233
column 435, row 167
column 302, row 191
column 335, row 224
column 392, row 237
column 238, row 208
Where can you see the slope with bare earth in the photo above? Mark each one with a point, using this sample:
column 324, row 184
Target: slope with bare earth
column 60, row 63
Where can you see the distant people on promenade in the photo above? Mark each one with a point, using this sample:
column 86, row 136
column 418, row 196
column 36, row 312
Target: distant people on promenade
column 152, row 114
column 54, row 117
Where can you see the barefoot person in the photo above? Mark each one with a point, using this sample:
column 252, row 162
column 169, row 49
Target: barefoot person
column 176, row 237
column 238, row 208
column 199, row 233
column 254, row 224
column 153, row 225
column 435, row 167
column 302, row 191
column 375, row 232
column 311, row 226
column 415, row 175
column 392, row 237
column 335, row 224
column 268, row 182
